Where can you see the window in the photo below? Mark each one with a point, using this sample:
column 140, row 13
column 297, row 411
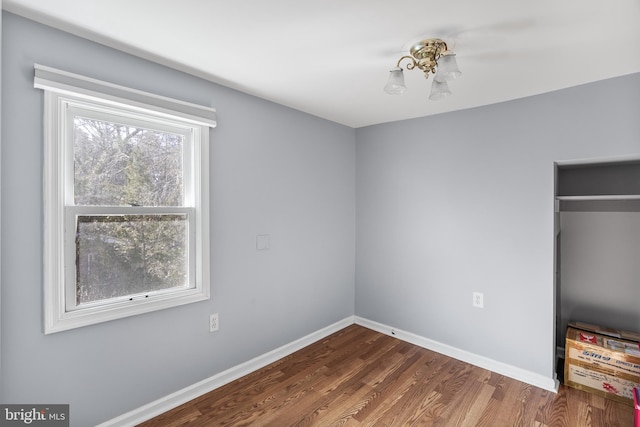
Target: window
column 126, row 201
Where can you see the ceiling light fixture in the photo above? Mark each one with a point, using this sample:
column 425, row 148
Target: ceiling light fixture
column 430, row 56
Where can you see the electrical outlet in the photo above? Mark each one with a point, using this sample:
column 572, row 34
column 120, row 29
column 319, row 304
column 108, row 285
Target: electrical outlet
column 213, row 322
column 262, row 242
column 478, row 299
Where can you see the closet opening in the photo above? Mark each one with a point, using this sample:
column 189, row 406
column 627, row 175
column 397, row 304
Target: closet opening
column 597, row 247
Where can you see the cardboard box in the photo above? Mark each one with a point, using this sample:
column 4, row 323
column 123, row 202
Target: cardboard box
column 616, row 333
column 602, row 361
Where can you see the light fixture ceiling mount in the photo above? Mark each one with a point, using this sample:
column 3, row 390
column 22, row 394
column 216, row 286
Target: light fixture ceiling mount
column 430, row 56
column 425, row 55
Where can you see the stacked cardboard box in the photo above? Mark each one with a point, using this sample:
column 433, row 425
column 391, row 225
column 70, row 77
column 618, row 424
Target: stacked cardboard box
column 603, row 361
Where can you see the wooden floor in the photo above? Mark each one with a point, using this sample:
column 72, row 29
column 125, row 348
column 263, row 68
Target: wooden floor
column 358, row 377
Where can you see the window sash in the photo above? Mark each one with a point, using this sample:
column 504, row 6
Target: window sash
column 70, row 109
column 71, row 217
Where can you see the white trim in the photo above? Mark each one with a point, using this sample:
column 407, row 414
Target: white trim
column 68, row 83
column 605, row 197
column 59, row 257
column 180, row 397
column 173, row 400
column 510, row 371
column 626, row 158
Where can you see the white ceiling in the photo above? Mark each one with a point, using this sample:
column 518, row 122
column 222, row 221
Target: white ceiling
column 331, row 58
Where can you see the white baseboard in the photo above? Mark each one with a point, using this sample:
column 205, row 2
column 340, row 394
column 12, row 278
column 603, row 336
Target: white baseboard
column 173, row 400
column 510, row 371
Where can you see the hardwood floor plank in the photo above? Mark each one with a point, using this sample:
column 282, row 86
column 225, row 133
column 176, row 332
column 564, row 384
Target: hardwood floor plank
column 535, row 402
column 357, row 377
column 341, row 395
column 614, row 414
column 183, row 415
column 476, row 414
column 545, row 406
column 392, row 390
column 465, row 411
column 418, row 390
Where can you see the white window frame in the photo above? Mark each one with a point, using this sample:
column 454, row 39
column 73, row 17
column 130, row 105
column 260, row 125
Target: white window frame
column 64, row 92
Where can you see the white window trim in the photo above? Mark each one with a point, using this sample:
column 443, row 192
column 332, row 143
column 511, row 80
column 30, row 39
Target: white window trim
column 59, row 86
column 63, row 82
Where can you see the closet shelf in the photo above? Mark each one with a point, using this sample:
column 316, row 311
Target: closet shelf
column 599, row 203
column 600, row 197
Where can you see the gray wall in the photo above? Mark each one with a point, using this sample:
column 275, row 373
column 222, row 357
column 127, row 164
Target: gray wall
column 600, row 268
column 273, row 171
column 464, row 201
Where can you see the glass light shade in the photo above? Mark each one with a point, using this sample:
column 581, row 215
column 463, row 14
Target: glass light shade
column 447, row 68
column 439, row 90
column 395, row 84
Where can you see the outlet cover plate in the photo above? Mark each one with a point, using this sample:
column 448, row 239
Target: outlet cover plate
column 213, row 322
column 478, row 299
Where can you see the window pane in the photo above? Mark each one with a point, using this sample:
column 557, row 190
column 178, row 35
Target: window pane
column 121, row 165
column 120, row 255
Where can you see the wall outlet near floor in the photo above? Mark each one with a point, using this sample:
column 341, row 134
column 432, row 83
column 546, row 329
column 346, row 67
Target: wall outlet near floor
column 213, row 322
column 478, row 299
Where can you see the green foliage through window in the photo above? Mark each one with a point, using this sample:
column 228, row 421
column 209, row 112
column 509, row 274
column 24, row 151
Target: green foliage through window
column 121, row 165
column 120, row 255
